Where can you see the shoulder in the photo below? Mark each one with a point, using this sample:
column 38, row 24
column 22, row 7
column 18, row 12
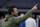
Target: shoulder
column 30, row 20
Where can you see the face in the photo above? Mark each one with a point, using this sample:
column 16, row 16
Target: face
column 15, row 11
column 21, row 15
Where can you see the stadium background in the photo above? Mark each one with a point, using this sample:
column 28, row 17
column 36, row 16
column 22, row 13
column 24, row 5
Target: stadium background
column 22, row 5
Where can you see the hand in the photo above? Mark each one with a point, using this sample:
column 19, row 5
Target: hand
column 35, row 7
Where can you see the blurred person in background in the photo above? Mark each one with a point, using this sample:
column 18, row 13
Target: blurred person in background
column 22, row 14
column 30, row 22
column 23, row 23
column 2, row 18
column 12, row 20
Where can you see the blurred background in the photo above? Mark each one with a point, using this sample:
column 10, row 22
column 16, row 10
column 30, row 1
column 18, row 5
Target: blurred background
column 23, row 6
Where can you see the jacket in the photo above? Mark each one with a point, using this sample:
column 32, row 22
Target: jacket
column 11, row 21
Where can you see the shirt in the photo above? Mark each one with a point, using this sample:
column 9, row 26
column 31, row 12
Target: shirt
column 30, row 22
column 22, row 24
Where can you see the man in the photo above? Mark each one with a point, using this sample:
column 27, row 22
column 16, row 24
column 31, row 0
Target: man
column 30, row 22
column 11, row 19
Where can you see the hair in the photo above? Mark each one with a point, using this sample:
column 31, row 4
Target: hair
column 10, row 9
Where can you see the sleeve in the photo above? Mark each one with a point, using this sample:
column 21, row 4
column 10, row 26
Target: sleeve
column 19, row 20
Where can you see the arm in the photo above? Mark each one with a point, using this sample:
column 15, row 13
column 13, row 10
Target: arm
column 19, row 20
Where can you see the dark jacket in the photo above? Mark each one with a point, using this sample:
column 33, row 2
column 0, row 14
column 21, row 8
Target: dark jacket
column 11, row 21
